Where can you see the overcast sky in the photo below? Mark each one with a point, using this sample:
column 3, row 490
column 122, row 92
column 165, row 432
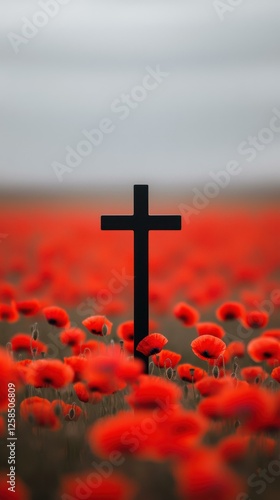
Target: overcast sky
column 221, row 85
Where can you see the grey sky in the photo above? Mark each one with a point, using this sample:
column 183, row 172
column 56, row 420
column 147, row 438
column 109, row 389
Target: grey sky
column 223, row 83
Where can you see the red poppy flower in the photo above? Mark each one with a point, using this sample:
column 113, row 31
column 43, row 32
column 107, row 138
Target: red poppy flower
column 274, row 332
column 154, row 392
column 253, row 373
column 39, row 411
column 263, row 349
column 129, row 346
column 190, row 373
column 208, row 347
column 49, row 373
column 210, row 386
column 206, row 477
column 56, row 316
column 72, row 336
column 101, row 375
column 236, row 349
column 113, row 487
column 8, row 375
column 116, row 433
column 186, row 313
column 125, row 330
column 255, row 319
column 276, row 374
column 7, row 292
column 28, row 307
column 152, row 344
column 209, row 328
column 79, row 366
column 166, row 359
column 25, row 342
column 98, row 325
column 229, row 311
column 21, row 492
column 70, row 412
column 129, row 370
column 8, row 313
column 89, row 347
column 22, row 369
column 84, row 395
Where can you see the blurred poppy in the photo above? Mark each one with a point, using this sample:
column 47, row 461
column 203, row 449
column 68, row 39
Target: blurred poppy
column 79, row 366
column 106, row 488
column 186, row 313
column 56, row 316
column 25, row 342
column 255, row 319
column 8, row 313
column 70, row 412
column 236, row 349
column 274, row 332
column 209, row 328
column 72, row 336
column 275, row 374
column 98, row 325
column 84, row 395
column 49, row 373
column 253, row 373
column 229, row 311
column 263, row 349
column 152, row 344
column 39, row 411
column 28, row 307
column 153, row 392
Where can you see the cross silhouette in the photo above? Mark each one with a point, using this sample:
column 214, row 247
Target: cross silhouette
column 141, row 223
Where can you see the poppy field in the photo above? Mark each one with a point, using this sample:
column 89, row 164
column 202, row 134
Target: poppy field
column 79, row 420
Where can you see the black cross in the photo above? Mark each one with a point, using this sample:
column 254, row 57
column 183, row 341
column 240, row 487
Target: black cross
column 141, row 223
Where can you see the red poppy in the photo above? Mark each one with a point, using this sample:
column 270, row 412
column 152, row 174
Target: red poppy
column 72, row 336
column 95, row 488
column 210, row 386
column 84, row 395
column 22, row 369
column 98, row 325
column 70, row 412
column 125, row 330
column 253, row 373
column 129, row 370
column 39, row 411
column 236, row 349
column 25, row 342
column 255, row 319
column 79, row 366
column 116, row 433
column 153, row 392
column 89, row 347
column 101, row 375
column 21, row 492
column 28, row 307
column 8, row 313
column 8, row 375
column 208, row 347
column 56, row 316
column 7, row 292
column 276, row 374
column 49, row 373
column 190, row 373
column 205, row 477
column 263, row 349
column 229, row 311
column 209, row 328
column 166, row 359
column 152, row 344
column 274, row 332
column 129, row 346
column 186, row 313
